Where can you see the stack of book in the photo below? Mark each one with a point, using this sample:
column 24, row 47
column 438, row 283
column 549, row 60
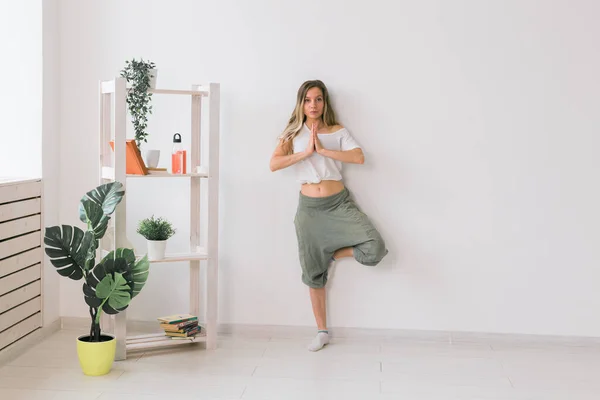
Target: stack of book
column 180, row 326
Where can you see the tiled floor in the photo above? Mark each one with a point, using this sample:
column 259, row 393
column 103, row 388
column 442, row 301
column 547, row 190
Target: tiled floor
column 280, row 368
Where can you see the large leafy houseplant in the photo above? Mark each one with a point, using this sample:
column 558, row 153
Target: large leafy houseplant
column 110, row 284
column 139, row 74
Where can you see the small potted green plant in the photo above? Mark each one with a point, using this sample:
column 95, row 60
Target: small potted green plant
column 141, row 76
column 109, row 285
column 156, row 231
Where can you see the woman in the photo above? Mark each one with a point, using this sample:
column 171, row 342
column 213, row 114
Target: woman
column 329, row 225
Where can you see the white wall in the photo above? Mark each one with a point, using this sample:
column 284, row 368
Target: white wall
column 21, row 94
column 29, row 133
column 480, row 127
column 51, row 147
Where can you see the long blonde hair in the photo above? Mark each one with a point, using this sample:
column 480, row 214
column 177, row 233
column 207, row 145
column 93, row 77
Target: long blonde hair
column 298, row 118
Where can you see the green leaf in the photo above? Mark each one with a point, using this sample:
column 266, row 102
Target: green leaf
column 140, row 273
column 68, row 248
column 89, row 287
column 122, row 263
column 94, row 216
column 137, row 272
column 105, row 287
column 114, row 291
column 126, row 254
column 91, row 256
column 107, row 196
column 108, row 286
column 120, row 297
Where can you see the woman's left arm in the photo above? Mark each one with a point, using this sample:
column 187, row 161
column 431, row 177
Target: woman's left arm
column 354, row 156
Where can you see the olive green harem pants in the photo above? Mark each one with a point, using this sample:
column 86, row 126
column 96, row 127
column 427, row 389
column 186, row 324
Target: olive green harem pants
column 327, row 224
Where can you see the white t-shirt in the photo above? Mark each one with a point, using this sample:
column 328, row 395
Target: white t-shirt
column 317, row 168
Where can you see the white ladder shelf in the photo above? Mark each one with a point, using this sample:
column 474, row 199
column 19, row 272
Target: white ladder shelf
column 113, row 118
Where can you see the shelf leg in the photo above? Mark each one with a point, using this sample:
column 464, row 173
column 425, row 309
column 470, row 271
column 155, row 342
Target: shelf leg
column 121, row 334
column 195, row 288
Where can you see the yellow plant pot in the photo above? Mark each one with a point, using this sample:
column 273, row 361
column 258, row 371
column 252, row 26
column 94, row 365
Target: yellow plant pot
column 96, row 358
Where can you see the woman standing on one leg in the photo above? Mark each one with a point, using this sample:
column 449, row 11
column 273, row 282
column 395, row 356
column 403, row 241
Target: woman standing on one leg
column 328, row 223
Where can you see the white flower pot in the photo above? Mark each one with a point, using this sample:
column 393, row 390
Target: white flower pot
column 153, row 75
column 152, row 157
column 156, row 249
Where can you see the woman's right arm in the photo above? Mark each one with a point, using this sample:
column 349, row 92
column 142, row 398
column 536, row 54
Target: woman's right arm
column 280, row 160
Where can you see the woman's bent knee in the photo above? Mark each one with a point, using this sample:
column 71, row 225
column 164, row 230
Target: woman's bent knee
column 370, row 253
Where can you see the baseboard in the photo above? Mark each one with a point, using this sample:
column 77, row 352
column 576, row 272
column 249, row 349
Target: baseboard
column 292, row 332
column 282, row 331
column 523, row 339
column 25, row 343
column 74, row 323
column 83, row 324
column 410, row 335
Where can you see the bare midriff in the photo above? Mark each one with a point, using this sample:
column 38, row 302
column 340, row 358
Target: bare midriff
column 322, row 189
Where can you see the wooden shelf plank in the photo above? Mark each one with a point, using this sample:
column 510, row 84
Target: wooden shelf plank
column 199, row 255
column 160, row 174
column 109, row 87
column 109, row 173
column 134, row 343
column 180, row 92
column 173, row 257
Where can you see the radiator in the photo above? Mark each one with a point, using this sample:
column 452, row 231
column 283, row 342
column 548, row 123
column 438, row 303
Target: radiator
column 20, row 259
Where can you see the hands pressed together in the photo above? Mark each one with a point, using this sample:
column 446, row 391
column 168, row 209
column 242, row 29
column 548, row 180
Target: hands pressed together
column 281, row 160
column 314, row 144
